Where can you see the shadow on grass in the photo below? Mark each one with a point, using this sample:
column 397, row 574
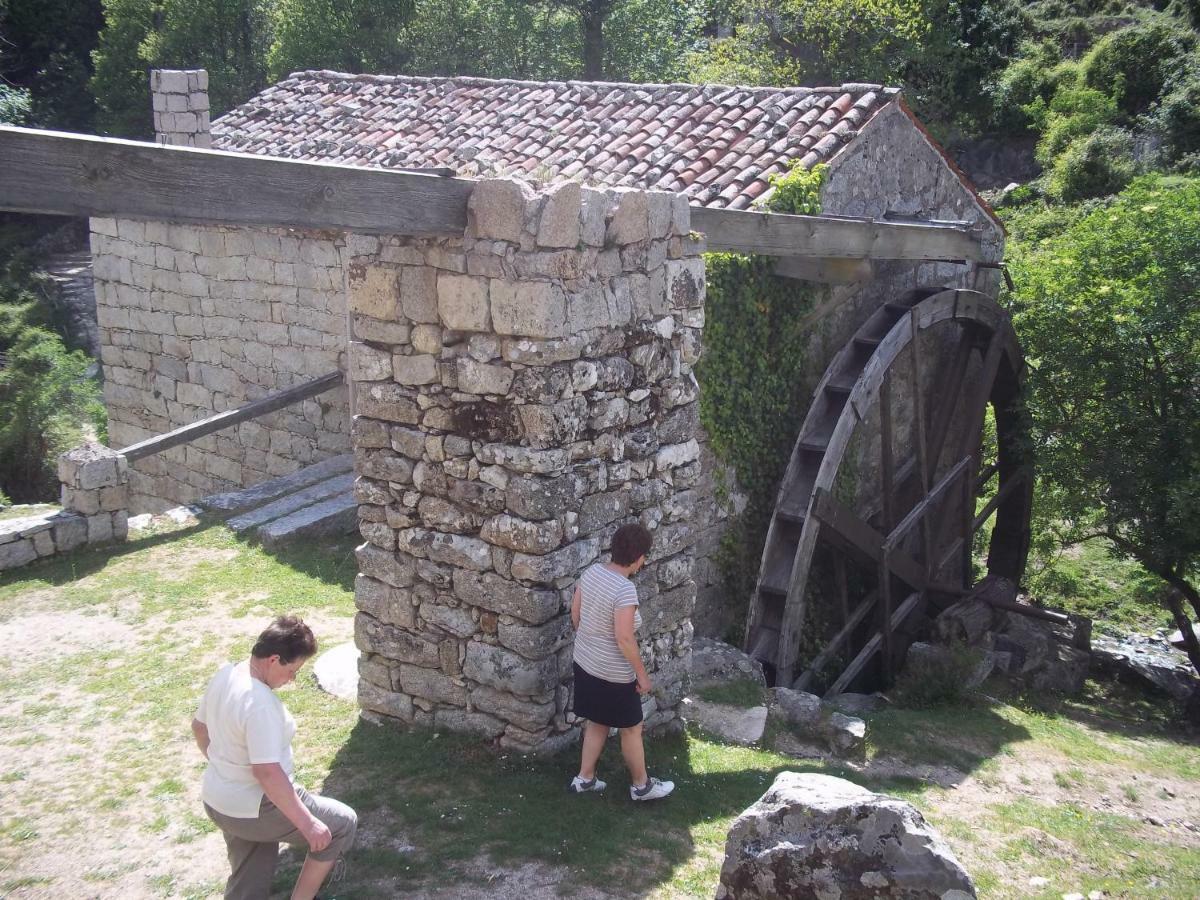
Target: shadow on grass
column 329, row 559
column 432, row 807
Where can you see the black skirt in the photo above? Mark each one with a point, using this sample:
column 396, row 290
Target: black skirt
column 606, row 702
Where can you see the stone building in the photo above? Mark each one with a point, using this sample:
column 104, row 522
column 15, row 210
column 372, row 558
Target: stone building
column 518, row 391
column 200, row 319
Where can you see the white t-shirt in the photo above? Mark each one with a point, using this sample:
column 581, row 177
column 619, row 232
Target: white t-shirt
column 602, row 592
column 247, row 725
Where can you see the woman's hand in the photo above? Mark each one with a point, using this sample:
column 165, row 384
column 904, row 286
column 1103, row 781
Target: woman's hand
column 643, row 684
column 318, row 836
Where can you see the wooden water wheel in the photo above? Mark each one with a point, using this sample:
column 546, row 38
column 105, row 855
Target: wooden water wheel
column 889, row 482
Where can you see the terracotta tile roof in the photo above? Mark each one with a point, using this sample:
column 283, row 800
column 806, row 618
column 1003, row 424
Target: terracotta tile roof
column 718, row 144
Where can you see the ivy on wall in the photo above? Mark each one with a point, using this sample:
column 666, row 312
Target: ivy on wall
column 751, row 398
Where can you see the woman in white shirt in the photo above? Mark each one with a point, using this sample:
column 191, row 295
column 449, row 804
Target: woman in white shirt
column 609, row 674
column 245, row 733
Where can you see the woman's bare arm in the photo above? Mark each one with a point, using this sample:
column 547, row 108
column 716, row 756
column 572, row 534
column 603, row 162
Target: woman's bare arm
column 623, row 630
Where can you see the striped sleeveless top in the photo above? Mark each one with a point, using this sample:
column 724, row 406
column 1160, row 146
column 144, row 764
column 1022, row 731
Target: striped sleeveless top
column 602, row 592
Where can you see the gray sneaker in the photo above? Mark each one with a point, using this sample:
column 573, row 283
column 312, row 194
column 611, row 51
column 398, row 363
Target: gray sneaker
column 651, row 790
column 579, row 786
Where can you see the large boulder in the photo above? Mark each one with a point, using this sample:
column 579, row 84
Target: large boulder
column 714, row 661
column 823, row 837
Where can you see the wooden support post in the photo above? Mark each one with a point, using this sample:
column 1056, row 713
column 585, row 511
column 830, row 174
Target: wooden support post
column 924, row 465
column 871, row 647
column 839, row 574
column 830, row 650
column 887, row 470
column 885, row 616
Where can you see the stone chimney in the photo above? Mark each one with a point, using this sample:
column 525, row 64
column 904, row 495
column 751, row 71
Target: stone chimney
column 181, row 107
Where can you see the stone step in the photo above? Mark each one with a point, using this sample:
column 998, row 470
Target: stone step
column 266, row 491
column 335, row 516
column 290, row 503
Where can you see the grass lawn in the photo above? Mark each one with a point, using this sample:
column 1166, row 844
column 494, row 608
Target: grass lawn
column 103, row 654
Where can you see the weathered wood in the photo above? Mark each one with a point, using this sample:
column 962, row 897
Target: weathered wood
column 965, row 621
column 79, row 175
column 918, row 512
column 885, row 614
column 871, row 647
column 773, row 234
column 825, row 271
column 857, row 535
column 1010, row 485
column 830, row 650
column 260, row 407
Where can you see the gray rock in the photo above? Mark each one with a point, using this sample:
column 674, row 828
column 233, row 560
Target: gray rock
column 384, row 602
column 509, row 671
column 1145, row 660
column 799, row 709
column 336, row 671
column 463, row 722
column 536, row 641
column 373, row 636
column 431, row 685
column 567, row 562
column 452, row 549
column 527, row 713
column 522, row 535
column 823, row 837
column 453, row 619
column 715, row 661
column 846, row 734
column 492, row 592
column 539, row 498
column 733, row 724
column 856, row 704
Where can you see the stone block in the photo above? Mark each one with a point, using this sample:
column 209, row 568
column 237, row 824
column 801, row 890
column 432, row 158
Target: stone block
column 389, row 402
column 524, row 460
column 462, row 302
column 439, row 514
column 600, row 510
column 114, row 498
column 685, row 283
column 542, row 353
column 452, row 549
column 92, row 466
column 390, row 642
column 462, row 722
column 508, row 671
column 430, row 684
column 536, row 309
column 536, row 537
column 455, row 620
column 84, row 502
column 536, row 641
column 99, row 528
column 369, row 434
column 384, row 465
column 366, row 328
column 669, row 608
column 69, row 532
column 388, row 703
column 384, row 565
column 17, row 553
column 477, row 378
column 375, row 291
column 559, row 225
column 389, row 605
column 565, row 563
column 369, row 363
column 43, row 543
column 539, row 498
column 499, row 595
column 415, row 370
column 497, row 209
column 527, row 713
column 630, row 222
column 419, row 293
column 427, row 339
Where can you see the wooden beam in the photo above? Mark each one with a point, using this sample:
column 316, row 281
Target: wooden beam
column 917, row 513
column 858, row 535
column 79, row 175
column 260, row 407
column 1011, row 484
column 831, row 649
column 773, row 234
column 823, row 270
column 871, row 647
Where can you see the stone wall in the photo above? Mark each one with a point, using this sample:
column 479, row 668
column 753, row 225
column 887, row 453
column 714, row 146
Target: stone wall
column 198, row 319
column 521, row 393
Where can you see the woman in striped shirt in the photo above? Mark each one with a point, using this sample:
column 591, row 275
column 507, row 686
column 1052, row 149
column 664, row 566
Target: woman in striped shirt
column 609, row 675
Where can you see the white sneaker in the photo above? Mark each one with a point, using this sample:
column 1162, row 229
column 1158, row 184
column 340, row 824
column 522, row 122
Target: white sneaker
column 652, row 790
column 580, row 786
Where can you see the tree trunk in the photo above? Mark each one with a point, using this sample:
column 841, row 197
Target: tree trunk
column 1190, row 644
column 594, row 13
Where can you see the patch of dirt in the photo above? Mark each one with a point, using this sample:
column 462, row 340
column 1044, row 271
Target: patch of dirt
column 28, row 640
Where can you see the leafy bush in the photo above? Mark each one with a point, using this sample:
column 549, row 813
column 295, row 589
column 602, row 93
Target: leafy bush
column 1133, row 65
column 798, row 191
column 1097, row 165
column 1176, row 120
column 1028, row 83
column 14, row 105
column 1073, row 113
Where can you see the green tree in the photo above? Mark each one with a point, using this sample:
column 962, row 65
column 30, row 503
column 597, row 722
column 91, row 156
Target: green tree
column 1109, row 312
column 121, row 79
column 45, row 48
column 343, row 35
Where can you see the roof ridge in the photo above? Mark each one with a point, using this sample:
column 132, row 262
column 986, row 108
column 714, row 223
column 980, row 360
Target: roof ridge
column 852, row 87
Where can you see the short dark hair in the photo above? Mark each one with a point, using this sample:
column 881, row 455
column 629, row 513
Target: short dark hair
column 288, row 637
column 630, row 543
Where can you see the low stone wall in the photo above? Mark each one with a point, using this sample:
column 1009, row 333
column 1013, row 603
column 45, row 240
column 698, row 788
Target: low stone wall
column 95, row 497
column 521, row 393
column 196, row 320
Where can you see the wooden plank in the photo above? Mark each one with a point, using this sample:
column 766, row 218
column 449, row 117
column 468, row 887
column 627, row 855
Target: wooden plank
column 923, row 465
column 918, row 512
column 823, row 270
column 871, row 647
column 835, row 644
column 80, row 175
column 1001, row 495
column 773, row 234
column 885, row 614
column 944, row 415
column 858, row 535
column 261, row 407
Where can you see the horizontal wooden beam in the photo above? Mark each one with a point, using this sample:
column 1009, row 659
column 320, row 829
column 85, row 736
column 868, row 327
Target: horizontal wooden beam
column 253, row 410
column 79, row 175
column 856, row 535
column 823, row 270
column 773, row 234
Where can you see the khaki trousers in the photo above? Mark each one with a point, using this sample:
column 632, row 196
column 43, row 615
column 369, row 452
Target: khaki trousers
column 253, row 844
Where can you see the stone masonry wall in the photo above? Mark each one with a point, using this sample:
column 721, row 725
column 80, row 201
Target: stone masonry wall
column 196, row 320
column 521, row 393
column 181, row 111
